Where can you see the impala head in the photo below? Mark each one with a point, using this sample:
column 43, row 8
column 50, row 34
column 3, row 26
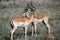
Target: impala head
column 24, row 14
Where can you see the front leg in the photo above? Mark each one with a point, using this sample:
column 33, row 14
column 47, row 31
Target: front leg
column 35, row 28
column 25, row 31
column 32, row 28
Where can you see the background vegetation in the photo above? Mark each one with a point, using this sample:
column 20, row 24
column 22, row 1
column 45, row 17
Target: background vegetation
column 10, row 8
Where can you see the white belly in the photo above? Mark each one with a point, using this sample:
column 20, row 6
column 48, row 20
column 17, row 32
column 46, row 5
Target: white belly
column 20, row 24
column 38, row 20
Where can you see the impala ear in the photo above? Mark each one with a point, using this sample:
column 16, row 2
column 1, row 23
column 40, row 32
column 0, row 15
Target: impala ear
column 26, row 9
column 33, row 10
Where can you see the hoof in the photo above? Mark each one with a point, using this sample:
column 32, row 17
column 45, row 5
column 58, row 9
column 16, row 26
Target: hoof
column 49, row 37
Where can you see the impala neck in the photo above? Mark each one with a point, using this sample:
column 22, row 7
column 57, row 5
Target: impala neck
column 34, row 14
column 26, row 14
column 32, row 17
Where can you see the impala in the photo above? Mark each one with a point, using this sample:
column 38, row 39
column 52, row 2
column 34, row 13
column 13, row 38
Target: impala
column 22, row 22
column 41, row 18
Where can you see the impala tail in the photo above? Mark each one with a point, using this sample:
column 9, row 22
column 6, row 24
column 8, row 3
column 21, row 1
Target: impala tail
column 11, row 23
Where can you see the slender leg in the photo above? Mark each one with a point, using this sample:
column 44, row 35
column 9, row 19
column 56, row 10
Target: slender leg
column 45, row 21
column 12, row 31
column 48, row 26
column 35, row 28
column 25, row 31
column 32, row 30
column 49, row 31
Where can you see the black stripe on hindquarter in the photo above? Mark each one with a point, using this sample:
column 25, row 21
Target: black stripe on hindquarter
column 43, row 22
column 12, row 25
column 32, row 24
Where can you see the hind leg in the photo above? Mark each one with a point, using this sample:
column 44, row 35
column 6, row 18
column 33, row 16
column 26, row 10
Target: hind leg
column 48, row 27
column 45, row 21
column 12, row 31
